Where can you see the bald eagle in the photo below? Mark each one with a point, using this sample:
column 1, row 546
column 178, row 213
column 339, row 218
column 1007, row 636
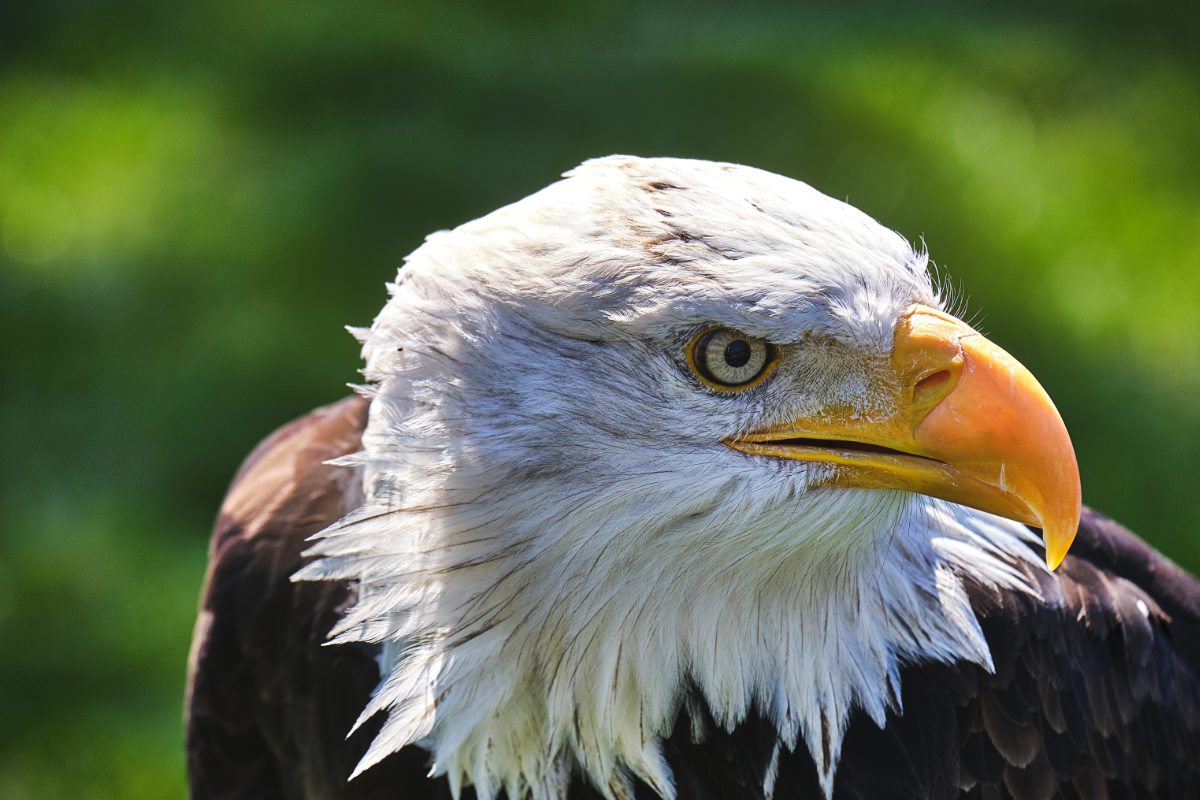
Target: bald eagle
column 677, row 479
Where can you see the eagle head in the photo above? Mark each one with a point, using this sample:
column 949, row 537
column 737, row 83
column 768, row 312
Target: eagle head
column 667, row 433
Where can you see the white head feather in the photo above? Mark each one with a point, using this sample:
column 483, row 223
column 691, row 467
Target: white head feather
column 556, row 544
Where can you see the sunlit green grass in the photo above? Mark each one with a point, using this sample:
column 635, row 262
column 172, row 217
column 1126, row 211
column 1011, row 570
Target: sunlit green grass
column 194, row 201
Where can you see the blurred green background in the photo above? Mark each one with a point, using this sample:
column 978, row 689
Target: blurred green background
column 195, row 197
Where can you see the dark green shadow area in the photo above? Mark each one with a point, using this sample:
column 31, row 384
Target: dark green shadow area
column 195, row 199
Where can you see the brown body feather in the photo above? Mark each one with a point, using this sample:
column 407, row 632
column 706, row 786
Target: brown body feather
column 1096, row 691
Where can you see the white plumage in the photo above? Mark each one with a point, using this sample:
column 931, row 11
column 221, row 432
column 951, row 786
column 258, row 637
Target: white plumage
column 556, row 543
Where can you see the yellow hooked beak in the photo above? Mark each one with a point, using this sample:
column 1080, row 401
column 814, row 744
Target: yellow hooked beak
column 971, row 425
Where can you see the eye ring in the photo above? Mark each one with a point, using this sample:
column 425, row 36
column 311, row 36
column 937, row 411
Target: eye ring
column 729, row 360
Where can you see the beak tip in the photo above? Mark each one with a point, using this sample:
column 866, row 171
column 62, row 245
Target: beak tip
column 1054, row 559
column 1058, row 539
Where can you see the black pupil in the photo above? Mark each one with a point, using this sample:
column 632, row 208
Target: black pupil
column 737, row 353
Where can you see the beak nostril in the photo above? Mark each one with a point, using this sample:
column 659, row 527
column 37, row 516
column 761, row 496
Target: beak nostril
column 930, row 387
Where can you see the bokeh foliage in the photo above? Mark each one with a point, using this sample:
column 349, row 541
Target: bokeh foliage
column 194, row 198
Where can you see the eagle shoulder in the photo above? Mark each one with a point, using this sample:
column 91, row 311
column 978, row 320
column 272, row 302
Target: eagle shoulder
column 1097, row 683
column 267, row 706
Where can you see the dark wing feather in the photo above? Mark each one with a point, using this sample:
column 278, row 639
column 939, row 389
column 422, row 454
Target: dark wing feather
column 1099, row 681
column 268, row 707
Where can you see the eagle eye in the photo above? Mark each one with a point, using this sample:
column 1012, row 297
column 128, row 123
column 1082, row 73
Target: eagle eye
column 730, row 360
